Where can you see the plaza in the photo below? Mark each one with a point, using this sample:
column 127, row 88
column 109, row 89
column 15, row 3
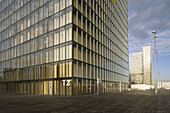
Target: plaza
column 126, row 102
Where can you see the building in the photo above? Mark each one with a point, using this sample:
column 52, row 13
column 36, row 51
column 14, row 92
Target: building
column 140, row 67
column 136, row 68
column 164, row 84
column 61, row 47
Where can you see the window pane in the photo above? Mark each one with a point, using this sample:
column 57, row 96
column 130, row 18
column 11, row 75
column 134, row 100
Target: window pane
column 56, row 6
column 50, row 36
column 56, row 37
column 40, row 28
column 62, row 53
column 62, row 4
column 68, row 51
column 62, row 35
column 46, row 11
column 41, row 13
column 68, row 33
column 62, row 18
column 50, row 23
column 51, row 8
column 68, row 3
column 68, row 15
column 56, row 21
column 56, row 54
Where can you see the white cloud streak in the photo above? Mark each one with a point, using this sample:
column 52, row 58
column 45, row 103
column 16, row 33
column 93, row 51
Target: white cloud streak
column 145, row 16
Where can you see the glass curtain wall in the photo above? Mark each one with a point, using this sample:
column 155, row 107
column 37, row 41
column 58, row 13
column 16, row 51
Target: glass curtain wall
column 36, row 47
column 61, row 47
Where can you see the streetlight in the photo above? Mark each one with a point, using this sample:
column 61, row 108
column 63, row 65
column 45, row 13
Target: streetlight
column 155, row 36
column 159, row 78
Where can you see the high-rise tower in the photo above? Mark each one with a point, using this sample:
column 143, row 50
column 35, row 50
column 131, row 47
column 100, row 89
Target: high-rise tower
column 61, row 47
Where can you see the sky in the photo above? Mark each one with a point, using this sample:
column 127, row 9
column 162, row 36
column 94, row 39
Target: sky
column 144, row 16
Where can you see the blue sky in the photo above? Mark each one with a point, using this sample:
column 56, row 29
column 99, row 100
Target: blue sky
column 144, row 16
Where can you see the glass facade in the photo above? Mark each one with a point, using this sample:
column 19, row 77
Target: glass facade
column 61, row 47
column 140, row 67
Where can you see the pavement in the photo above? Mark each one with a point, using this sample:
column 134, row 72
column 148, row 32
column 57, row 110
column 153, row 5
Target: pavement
column 125, row 102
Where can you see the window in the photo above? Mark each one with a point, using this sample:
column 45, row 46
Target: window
column 62, row 53
column 62, row 4
column 46, row 56
column 36, row 16
column 32, row 32
column 79, row 53
column 69, row 69
column 75, row 69
column 68, row 51
column 51, row 72
column 62, row 18
column 32, row 19
column 50, row 36
column 45, row 25
column 50, row 23
column 68, row 3
column 41, row 13
column 46, row 42
column 56, row 20
column 56, row 6
column 79, row 69
column 28, row 21
column 56, row 70
column 51, row 8
column 32, row 59
column 22, row 25
column 62, row 35
column 68, row 33
column 41, row 28
column 62, row 70
column 41, row 42
column 74, row 52
column 68, row 15
column 21, row 38
column 36, row 30
column 36, row 2
column 56, row 54
column 56, row 37
column 51, row 55
column 32, row 45
column 46, row 11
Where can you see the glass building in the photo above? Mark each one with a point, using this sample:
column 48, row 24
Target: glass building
column 61, row 47
column 140, row 66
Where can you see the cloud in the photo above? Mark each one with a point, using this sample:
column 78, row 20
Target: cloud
column 144, row 16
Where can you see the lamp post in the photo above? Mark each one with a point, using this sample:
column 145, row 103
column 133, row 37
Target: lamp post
column 159, row 78
column 156, row 85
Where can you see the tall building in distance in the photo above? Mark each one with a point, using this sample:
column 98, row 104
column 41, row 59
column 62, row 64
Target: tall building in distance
column 140, row 67
column 61, row 47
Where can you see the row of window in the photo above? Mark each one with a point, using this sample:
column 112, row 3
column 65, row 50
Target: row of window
column 48, row 55
column 90, row 71
column 48, row 71
column 49, row 8
column 55, row 37
column 103, row 16
column 60, row 87
column 122, row 43
column 53, row 22
column 62, row 70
